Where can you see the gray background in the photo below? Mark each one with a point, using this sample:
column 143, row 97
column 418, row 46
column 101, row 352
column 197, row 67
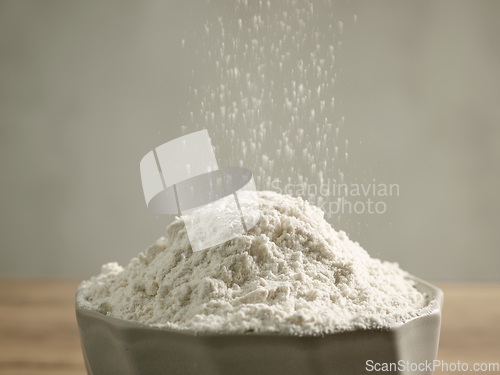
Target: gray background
column 88, row 88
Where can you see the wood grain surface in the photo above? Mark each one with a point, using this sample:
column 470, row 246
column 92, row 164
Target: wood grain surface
column 39, row 335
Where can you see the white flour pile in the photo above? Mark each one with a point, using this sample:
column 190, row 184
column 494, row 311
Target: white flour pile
column 292, row 273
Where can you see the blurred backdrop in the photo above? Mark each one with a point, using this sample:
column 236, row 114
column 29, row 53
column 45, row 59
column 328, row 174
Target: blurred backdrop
column 88, row 88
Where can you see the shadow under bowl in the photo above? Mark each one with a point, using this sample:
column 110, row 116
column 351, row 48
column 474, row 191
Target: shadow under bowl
column 118, row 347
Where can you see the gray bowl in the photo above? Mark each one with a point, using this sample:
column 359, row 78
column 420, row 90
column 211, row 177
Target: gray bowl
column 114, row 346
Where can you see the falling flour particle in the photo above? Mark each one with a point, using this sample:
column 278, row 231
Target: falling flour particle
column 268, row 73
column 292, row 273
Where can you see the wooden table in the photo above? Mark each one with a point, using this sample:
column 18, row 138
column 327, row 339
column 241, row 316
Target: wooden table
column 39, row 335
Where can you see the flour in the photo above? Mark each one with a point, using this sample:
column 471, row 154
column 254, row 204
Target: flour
column 292, row 273
column 271, row 78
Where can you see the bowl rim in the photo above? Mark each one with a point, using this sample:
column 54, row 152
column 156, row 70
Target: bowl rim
column 435, row 298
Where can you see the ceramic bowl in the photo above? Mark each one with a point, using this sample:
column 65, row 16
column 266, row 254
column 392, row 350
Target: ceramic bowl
column 117, row 347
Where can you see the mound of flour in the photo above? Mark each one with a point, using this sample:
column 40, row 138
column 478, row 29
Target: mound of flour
column 292, row 273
